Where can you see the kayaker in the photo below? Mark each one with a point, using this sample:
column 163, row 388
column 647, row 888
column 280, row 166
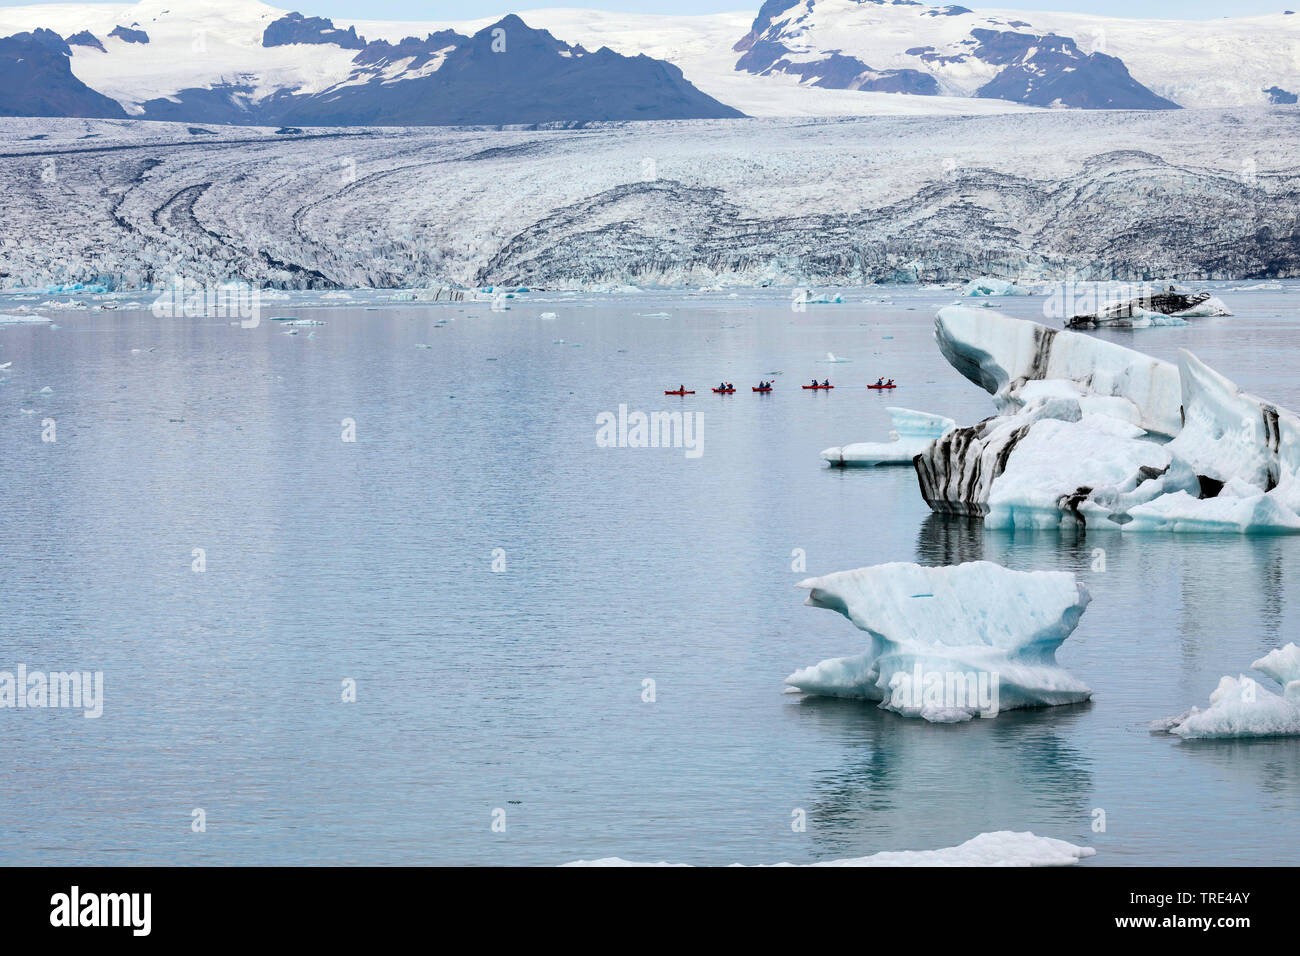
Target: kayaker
column 890, row 382
column 814, row 384
column 880, row 381
column 826, row 384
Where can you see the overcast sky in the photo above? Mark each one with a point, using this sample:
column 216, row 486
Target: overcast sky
column 472, row 9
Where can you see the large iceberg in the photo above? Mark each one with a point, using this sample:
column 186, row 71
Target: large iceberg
column 1091, row 433
column 1000, row 848
column 950, row 643
column 1240, row 707
column 912, row 434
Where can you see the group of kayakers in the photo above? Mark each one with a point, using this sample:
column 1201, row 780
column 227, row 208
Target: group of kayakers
column 817, row 384
column 881, row 383
column 764, row 386
column 726, row 387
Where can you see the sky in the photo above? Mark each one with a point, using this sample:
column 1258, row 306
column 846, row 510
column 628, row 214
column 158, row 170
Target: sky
column 473, row 9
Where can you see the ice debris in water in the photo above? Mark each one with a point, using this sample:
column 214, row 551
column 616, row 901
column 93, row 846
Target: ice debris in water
column 988, row 286
column 999, row 848
column 1240, row 707
column 950, row 643
column 912, row 434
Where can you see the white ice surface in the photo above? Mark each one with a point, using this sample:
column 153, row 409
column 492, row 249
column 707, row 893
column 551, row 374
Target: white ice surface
column 1240, row 707
column 969, row 619
column 1000, row 354
column 999, row 848
column 912, row 433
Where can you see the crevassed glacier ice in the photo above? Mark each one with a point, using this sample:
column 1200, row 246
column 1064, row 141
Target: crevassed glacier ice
column 949, row 643
column 999, row 848
column 1240, row 707
column 1001, row 354
column 912, row 433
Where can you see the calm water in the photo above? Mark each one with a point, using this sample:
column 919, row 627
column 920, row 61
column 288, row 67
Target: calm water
column 522, row 689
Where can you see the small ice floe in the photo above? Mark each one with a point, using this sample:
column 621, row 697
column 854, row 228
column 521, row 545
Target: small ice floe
column 547, row 315
column 557, row 341
column 809, row 297
column 912, row 434
column 298, row 322
column 950, row 643
column 988, row 286
column 47, row 390
column 833, row 359
column 655, row 315
column 1240, row 707
column 421, row 345
column 1150, row 310
column 339, row 296
column 999, row 848
column 22, row 319
column 5, row 365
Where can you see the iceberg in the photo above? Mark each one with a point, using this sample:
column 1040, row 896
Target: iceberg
column 912, row 433
column 1240, row 707
column 1090, row 433
column 950, row 643
column 1002, row 354
column 1050, row 464
column 988, row 286
column 1153, row 308
column 999, row 848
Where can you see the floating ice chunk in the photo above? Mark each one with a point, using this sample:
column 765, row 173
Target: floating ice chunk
column 1239, row 707
column 547, row 315
column 1149, row 309
column 1180, row 511
column 10, row 319
column 912, row 434
column 999, row 848
column 299, row 322
column 990, row 287
column 1001, row 354
column 832, row 360
column 949, row 643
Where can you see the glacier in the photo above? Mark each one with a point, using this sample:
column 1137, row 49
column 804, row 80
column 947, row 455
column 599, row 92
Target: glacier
column 1240, row 707
column 912, row 433
column 728, row 203
column 997, row 848
column 950, row 643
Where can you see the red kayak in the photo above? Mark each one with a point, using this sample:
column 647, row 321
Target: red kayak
column 679, row 393
column 724, row 391
column 882, row 386
column 752, row 389
column 811, row 387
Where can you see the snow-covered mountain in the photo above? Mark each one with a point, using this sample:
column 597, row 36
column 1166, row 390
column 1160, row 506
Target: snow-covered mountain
column 244, row 62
